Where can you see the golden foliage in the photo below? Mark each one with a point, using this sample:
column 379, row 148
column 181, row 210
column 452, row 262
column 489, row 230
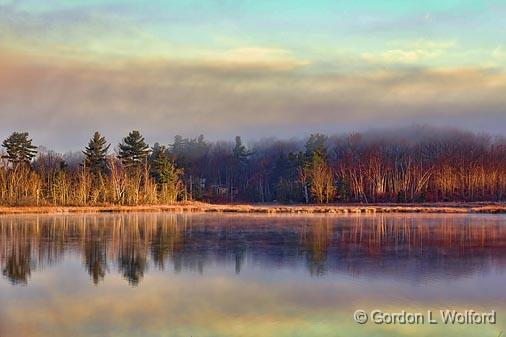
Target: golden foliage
column 23, row 185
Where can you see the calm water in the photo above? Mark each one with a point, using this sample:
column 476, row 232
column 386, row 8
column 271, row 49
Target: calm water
column 240, row 275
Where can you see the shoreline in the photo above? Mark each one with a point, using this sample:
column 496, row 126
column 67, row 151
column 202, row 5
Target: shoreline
column 448, row 208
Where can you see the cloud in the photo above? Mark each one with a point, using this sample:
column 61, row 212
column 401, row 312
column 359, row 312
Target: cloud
column 499, row 54
column 254, row 57
column 62, row 103
column 420, row 51
column 393, row 56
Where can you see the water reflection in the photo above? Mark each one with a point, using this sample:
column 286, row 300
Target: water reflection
column 386, row 245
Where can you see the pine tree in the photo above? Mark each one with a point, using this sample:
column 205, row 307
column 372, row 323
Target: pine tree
column 316, row 174
column 133, row 151
column 166, row 174
column 164, row 169
column 240, row 153
column 238, row 165
column 155, row 152
column 179, row 145
column 95, row 154
column 19, row 148
column 316, row 143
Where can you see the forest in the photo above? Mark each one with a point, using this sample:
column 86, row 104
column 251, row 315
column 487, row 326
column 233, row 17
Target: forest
column 416, row 164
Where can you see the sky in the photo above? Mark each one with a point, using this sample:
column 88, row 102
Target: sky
column 282, row 68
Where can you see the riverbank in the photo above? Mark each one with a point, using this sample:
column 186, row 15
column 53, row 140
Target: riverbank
column 451, row 208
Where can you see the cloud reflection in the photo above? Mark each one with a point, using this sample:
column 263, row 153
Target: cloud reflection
column 240, row 275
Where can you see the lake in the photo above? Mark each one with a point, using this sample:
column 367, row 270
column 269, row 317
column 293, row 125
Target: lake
column 213, row 275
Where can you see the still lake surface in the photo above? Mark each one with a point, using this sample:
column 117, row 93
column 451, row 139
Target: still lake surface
column 203, row 275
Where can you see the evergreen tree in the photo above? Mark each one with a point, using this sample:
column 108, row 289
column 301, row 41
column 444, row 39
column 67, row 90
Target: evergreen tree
column 238, row 166
column 316, row 144
column 166, row 174
column 95, row 154
column 316, row 174
column 133, row 151
column 178, row 150
column 179, row 145
column 164, row 169
column 155, row 151
column 19, row 148
column 240, row 153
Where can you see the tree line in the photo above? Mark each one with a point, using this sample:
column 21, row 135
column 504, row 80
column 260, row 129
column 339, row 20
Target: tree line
column 413, row 165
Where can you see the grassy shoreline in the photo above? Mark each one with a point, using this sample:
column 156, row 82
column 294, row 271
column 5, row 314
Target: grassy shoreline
column 450, row 208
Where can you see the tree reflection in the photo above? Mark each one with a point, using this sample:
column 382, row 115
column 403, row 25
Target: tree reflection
column 166, row 242
column 95, row 257
column 132, row 263
column 18, row 263
column 316, row 239
column 355, row 244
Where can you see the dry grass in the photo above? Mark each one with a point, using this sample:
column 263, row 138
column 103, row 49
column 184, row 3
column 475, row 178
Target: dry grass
column 272, row 208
